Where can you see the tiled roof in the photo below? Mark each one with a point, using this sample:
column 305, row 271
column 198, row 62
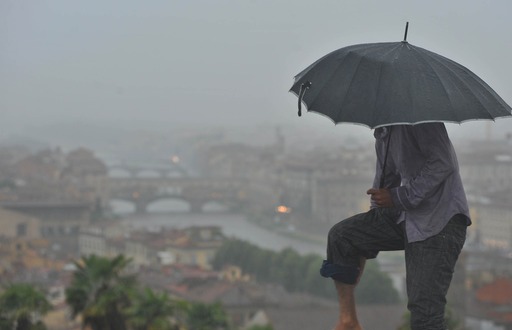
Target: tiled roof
column 498, row 292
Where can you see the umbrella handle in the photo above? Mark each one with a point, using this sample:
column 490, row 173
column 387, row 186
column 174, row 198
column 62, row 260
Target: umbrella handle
column 305, row 85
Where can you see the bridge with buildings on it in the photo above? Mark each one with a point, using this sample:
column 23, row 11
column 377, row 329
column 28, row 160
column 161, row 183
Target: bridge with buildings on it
column 197, row 192
column 142, row 184
column 162, row 169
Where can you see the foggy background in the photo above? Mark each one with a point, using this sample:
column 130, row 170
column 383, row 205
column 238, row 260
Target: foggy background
column 171, row 121
column 73, row 68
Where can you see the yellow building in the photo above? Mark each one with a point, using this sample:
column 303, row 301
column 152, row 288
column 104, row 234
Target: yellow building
column 21, row 241
column 17, row 225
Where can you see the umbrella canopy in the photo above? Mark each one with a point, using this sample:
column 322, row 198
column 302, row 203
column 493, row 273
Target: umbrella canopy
column 381, row 84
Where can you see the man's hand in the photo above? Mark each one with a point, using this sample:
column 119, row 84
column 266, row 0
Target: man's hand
column 381, row 197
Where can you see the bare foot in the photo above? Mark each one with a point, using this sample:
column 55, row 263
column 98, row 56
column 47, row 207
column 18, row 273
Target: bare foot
column 348, row 326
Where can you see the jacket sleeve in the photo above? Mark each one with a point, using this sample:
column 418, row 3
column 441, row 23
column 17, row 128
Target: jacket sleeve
column 440, row 162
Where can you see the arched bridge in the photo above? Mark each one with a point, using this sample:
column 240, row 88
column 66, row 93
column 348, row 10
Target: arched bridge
column 163, row 170
column 195, row 191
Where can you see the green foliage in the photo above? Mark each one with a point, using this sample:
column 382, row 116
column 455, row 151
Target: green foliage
column 107, row 299
column 301, row 273
column 406, row 322
column 5, row 324
column 99, row 291
column 154, row 311
column 375, row 287
column 207, row 317
column 20, row 303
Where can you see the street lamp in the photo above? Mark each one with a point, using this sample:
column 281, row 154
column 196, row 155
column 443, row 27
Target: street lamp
column 281, row 212
column 283, row 209
column 175, row 159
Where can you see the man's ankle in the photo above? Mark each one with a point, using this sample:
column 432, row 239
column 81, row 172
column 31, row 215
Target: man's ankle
column 348, row 325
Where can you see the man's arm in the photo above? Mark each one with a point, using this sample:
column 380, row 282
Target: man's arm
column 434, row 143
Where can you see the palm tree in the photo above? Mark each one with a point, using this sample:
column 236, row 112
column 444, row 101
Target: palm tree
column 21, row 307
column 153, row 311
column 100, row 290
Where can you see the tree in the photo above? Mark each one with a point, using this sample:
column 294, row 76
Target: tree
column 288, row 272
column 298, row 273
column 207, row 317
column 21, row 306
column 375, row 287
column 153, row 311
column 100, row 291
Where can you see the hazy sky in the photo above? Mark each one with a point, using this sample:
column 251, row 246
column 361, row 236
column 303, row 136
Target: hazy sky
column 181, row 62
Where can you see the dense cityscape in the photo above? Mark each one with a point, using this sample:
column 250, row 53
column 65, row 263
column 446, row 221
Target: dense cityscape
column 57, row 207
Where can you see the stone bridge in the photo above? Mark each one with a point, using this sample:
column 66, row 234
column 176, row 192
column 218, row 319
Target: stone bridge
column 195, row 191
column 162, row 169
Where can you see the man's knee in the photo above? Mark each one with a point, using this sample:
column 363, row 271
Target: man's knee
column 343, row 262
column 338, row 233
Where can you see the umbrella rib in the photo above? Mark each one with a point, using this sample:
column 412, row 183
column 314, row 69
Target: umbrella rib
column 465, row 83
column 375, row 101
column 462, row 81
column 422, row 54
column 310, row 107
column 327, row 81
column 361, row 58
column 377, row 96
column 348, row 88
column 476, row 79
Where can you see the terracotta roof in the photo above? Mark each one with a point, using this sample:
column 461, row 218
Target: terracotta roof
column 228, row 293
column 498, row 292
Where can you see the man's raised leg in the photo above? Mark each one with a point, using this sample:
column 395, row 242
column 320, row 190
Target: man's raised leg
column 350, row 243
column 347, row 305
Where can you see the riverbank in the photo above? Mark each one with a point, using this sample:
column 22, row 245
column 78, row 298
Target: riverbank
column 232, row 225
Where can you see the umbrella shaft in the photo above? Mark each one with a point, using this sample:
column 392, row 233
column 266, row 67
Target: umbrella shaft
column 383, row 173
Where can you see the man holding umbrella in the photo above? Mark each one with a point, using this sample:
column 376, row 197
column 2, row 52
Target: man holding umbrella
column 421, row 208
column 418, row 202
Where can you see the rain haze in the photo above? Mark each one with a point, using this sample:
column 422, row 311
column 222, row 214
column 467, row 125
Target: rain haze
column 166, row 64
column 164, row 131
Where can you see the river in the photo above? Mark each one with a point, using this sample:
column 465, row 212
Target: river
column 232, row 225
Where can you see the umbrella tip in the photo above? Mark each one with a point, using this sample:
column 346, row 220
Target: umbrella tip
column 406, row 28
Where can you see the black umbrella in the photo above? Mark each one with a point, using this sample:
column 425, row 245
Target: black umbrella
column 380, row 84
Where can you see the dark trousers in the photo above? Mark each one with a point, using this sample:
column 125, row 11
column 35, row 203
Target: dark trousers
column 429, row 263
